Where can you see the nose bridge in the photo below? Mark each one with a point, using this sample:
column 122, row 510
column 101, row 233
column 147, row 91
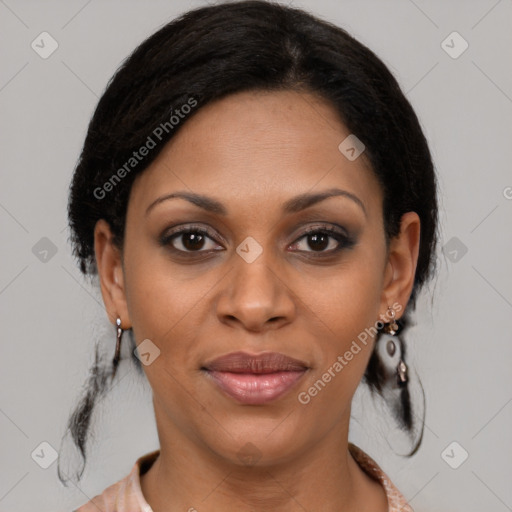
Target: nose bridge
column 256, row 292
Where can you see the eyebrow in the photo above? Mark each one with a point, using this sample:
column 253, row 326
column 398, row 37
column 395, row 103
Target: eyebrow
column 293, row 205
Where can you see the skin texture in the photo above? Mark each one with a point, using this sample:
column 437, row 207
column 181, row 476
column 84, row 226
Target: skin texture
column 253, row 151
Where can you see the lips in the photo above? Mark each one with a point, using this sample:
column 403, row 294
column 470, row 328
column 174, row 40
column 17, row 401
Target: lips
column 267, row 362
column 255, row 379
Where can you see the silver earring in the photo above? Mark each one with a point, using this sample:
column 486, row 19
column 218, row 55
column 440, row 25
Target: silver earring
column 391, row 328
column 117, row 353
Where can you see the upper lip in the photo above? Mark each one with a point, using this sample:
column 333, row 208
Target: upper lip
column 266, row 362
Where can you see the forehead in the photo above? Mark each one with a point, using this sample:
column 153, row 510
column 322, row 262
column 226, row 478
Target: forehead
column 258, row 148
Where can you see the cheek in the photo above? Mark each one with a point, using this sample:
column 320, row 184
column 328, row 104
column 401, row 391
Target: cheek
column 346, row 309
column 159, row 294
column 168, row 305
column 343, row 355
column 348, row 301
column 164, row 308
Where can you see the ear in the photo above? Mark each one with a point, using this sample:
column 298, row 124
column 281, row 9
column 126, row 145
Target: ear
column 111, row 274
column 401, row 264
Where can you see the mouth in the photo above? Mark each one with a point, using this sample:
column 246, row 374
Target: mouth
column 255, row 379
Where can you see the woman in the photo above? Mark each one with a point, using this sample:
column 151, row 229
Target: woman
column 258, row 201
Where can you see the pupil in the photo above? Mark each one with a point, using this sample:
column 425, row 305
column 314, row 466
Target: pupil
column 324, row 241
column 193, row 241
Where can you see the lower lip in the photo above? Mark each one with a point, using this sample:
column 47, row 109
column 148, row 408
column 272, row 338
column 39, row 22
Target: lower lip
column 254, row 389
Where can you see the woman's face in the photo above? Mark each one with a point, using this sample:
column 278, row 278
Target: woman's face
column 257, row 282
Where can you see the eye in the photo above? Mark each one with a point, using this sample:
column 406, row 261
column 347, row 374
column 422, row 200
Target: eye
column 321, row 238
column 194, row 239
column 189, row 240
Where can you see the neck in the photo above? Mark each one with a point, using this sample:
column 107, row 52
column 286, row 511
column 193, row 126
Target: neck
column 187, row 476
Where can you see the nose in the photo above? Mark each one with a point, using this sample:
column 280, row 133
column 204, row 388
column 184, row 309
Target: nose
column 256, row 296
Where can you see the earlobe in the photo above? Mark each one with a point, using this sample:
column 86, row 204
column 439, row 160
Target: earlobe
column 402, row 261
column 110, row 273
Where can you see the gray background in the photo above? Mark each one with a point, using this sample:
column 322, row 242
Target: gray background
column 50, row 317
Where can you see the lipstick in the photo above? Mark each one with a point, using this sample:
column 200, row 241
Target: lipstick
column 255, row 379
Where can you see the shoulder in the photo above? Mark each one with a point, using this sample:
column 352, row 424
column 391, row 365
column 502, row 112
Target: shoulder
column 126, row 494
column 106, row 501
column 396, row 501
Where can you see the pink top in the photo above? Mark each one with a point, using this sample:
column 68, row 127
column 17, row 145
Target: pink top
column 126, row 495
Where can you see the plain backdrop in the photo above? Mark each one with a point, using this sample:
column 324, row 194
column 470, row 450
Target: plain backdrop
column 461, row 345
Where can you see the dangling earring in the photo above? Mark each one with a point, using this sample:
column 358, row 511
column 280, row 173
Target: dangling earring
column 117, row 353
column 392, row 328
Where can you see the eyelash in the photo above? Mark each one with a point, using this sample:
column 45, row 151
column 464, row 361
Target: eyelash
column 344, row 241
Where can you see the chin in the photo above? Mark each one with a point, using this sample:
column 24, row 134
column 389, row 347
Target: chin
column 257, row 441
